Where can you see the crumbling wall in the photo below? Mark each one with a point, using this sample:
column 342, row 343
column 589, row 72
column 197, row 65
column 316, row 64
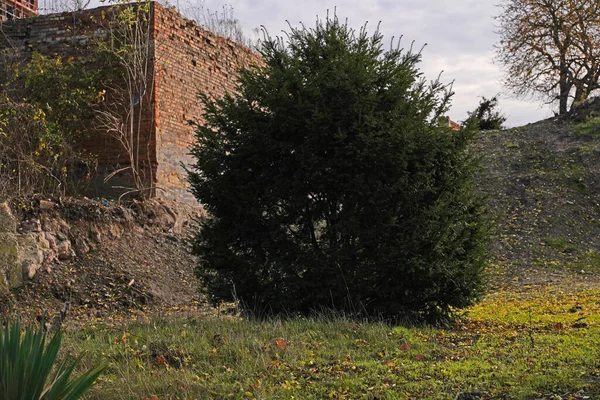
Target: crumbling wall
column 68, row 34
column 14, row 9
column 186, row 60
column 189, row 60
column 9, row 262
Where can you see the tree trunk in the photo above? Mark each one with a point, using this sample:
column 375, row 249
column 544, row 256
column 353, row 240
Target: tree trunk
column 581, row 93
column 564, row 89
column 563, row 104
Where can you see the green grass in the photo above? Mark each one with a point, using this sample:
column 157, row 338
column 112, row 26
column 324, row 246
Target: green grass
column 588, row 148
column 517, row 344
column 561, row 245
column 590, row 127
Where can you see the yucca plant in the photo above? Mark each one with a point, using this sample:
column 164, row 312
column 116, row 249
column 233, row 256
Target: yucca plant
column 27, row 370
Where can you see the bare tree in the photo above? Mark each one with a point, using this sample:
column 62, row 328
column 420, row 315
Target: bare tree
column 122, row 117
column 550, row 49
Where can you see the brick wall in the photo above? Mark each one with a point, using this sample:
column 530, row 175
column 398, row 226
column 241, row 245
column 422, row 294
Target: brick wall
column 64, row 33
column 189, row 60
column 14, row 9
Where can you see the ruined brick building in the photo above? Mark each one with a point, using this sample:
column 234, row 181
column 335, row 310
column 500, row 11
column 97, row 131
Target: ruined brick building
column 185, row 60
column 451, row 124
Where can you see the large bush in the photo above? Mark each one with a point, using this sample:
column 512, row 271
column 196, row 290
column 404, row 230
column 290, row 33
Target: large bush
column 330, row 183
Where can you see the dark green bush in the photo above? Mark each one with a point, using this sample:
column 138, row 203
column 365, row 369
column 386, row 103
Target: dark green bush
column 28, row 370
column 330, row 183
column 486, row 116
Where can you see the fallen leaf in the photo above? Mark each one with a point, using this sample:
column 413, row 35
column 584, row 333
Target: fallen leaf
column 160, row 360
column 558, row 326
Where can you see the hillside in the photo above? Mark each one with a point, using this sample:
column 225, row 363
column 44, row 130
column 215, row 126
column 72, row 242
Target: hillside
column 543, row 181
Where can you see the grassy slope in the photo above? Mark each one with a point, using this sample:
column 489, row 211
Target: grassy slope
column 536, row 334
column 543, row 181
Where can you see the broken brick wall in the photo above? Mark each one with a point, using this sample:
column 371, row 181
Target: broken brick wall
column 75, row 34
column 186, row 60
column 189, row 60
column 15, row 9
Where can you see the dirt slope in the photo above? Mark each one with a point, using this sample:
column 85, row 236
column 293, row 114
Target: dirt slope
column 126, row 259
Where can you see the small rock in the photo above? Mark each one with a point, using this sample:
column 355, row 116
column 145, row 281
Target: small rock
column 15, row 277
column 46, row 205
column 95, row 235
column 49, row 256
column 81, row 245
column 51, row 239
column 115, row 231
column 9, row 261
column 42, row 242
column 31, row 225
column 65, row 250
column 30, row 269
column 4, row 288
column 29, row 248
column 7, row 222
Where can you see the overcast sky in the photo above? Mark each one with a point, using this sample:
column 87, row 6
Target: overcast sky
column 459, row 35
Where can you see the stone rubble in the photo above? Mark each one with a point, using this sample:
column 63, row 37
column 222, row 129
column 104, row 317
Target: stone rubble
column 25, row 248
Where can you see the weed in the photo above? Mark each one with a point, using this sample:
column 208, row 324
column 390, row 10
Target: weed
column 28, row 368
column 586, row 148
column 590, row 127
